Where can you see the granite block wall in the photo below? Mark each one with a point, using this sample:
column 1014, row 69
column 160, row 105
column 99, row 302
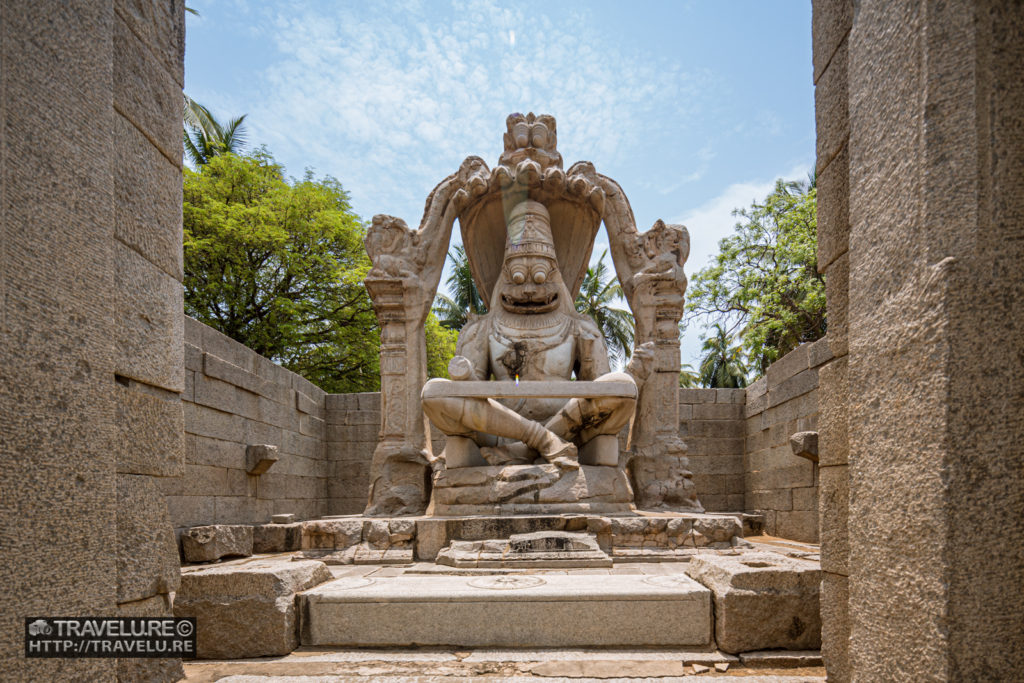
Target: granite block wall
column 711, row 425
column 778, row 484
column 832, row 21
column 353, row 425
column 235, row 398
column 90, row 319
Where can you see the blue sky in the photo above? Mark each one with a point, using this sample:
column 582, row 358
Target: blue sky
column 695, row 108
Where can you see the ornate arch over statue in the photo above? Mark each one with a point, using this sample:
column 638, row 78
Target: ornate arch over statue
column 541, row 435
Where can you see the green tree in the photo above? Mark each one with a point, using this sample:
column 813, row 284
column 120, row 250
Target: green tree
column 453, row 311
column 722, row 366
column 598, row 292
column 765, row 280
column 440, row 346
column 279, row 267
column 688, row 378
column 205, row 137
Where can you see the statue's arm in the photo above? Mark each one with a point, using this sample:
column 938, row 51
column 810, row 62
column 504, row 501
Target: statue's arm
column 473, row 345
column 591, row 351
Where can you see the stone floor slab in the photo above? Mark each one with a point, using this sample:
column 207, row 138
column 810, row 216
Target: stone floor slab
column 524, row 610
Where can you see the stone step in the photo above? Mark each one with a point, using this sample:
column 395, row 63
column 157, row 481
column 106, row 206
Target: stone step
column 523, row 610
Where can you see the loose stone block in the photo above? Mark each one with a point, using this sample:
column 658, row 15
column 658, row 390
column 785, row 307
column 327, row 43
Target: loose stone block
column 247, row 610
column 210, row 543
column 332, row 533
column 762, row 600
column 277, row 537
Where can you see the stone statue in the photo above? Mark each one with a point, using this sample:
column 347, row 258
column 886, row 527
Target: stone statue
column 532, row 333
column 532, row 412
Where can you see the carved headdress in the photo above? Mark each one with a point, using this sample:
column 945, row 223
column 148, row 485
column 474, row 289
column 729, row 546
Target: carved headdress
column 527, row 180
column 529, row 231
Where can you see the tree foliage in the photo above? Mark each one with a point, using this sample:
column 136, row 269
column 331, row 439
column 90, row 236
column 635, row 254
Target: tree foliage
column 765, row 281
column 279, row 267
column 453, row 311
column 722, row 366
column 598, row 292
column 440, row 346
column 205, row 137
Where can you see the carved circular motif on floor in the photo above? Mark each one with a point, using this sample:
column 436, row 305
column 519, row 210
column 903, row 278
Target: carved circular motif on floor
column 347, row 582
column 668, row 580
column 506, row 583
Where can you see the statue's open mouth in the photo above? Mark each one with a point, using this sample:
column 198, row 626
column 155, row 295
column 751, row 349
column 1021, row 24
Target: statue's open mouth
column 528, row 305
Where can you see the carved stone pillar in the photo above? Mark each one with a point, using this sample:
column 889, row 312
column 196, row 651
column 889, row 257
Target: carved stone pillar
column 650, row 268
column 399, row 476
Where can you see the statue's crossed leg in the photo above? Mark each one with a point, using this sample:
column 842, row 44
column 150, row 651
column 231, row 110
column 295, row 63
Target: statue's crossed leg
column 464, row 416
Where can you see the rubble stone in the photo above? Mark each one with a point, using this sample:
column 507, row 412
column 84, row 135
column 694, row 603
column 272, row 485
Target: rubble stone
column 762, row 600
column 216, row 541
column 247, row 610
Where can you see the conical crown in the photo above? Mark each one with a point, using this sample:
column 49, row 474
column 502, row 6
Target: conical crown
column 529, row 231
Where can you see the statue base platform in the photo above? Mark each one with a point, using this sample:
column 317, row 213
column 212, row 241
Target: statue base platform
column 530, row 490
column 519, row 610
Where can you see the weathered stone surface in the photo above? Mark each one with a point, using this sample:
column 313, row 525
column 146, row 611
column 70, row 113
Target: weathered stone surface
column 278, row 537
column 247, row 610
column 140, row 669
column 508, row 611
column 835, row 626
column 537, row 549
column 211, row 543
column 935, row 303
column 145, row 90
column 805, row 445
column 147, row 556
column 148, row 209
column 531, row 489
column 260, row 457
column 151, row 431
column 783, row 659
column 149, row 334
column 283, row 518
column 762, row 600
column 332, row 533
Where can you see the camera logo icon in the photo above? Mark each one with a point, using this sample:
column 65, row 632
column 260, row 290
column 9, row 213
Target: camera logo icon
column 40, row 627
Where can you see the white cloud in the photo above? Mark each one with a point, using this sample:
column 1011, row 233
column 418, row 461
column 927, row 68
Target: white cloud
column 392, row 103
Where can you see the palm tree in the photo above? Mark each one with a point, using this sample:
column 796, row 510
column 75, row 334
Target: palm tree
column 595, row 298
column 465, row 298
column 688, row 378
column 723, row 365
column 205, row 137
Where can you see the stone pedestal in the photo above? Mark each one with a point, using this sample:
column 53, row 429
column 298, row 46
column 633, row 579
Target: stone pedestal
column 530, row 489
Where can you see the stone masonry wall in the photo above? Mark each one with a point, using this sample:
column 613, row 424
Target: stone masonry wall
column 711, row 425
column 832, row 21
column 235, row 398
column 353, row 424
column 90, row 319
column 780, row 485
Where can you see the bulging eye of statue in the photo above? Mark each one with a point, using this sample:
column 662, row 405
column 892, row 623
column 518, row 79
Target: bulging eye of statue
column 540, row 276
column 518, row 277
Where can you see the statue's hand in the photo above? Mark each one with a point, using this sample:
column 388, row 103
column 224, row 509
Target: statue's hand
column 460, row 368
